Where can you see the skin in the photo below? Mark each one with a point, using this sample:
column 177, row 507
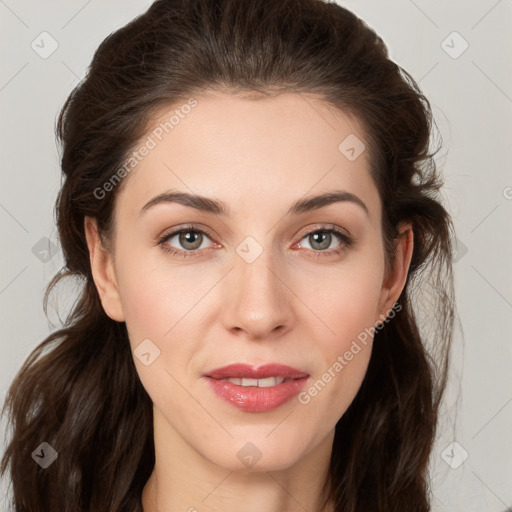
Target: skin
column 215, row 308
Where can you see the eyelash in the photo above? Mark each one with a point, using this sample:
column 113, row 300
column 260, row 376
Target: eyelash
column 347, row 241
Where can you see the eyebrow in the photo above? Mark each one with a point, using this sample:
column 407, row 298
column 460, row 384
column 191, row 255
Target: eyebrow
column 217, row 207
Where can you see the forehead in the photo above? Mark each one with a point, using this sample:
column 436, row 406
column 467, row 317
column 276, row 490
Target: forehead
column 250, row 151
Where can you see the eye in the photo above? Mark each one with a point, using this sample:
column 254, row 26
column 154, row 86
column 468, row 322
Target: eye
column 189, row 238
column 321, row 239
column 190, row 241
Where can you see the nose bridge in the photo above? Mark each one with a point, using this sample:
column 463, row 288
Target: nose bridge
column 259, row 301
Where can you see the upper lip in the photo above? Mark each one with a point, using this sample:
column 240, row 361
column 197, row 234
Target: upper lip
column 242, row 370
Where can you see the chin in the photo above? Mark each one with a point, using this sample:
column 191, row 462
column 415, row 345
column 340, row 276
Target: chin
column 259, row 454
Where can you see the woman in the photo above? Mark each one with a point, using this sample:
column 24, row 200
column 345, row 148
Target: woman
column 249, row 199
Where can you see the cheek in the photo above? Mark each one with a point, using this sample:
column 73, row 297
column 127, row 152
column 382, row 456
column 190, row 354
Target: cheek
column 344, row 359
column 348, row 303
column 161, row 305
column 145, row 300
column 155, row 298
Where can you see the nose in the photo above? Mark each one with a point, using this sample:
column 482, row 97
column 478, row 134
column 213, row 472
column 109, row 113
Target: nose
column 258, row 300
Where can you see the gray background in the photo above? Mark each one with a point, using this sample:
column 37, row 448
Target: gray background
column 471, row 94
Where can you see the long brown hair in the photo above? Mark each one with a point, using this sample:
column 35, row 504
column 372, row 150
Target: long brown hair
column 79, row 390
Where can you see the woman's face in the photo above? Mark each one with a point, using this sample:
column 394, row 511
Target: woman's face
column 254, row 285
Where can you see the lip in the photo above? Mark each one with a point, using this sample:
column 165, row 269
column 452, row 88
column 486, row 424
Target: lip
column 253, row 398
column 248, row 371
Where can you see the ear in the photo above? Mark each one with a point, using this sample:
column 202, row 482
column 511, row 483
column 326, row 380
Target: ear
column 102, row 267
column 395, row 279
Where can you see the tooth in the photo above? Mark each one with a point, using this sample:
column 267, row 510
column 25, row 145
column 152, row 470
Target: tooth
column 268, row 382
column 262, row 383
column 249, row 382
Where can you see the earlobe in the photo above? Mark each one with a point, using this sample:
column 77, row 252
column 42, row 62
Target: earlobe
column 103, row 272
column 394, row 282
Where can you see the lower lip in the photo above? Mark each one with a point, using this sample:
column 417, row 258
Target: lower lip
column 256, row 399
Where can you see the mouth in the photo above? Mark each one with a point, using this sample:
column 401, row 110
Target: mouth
column 256, row 389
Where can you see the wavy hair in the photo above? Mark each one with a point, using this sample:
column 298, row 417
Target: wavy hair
column 79, row 390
